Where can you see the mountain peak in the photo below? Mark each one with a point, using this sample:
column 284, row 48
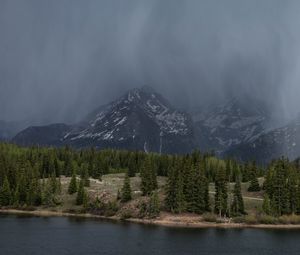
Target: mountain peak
column 141, row 93
column 139, row 119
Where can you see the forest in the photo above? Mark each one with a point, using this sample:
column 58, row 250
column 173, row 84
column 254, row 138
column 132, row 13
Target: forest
column 197, row 183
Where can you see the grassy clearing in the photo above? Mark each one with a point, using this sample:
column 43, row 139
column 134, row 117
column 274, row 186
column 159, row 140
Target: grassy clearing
column 107, row 190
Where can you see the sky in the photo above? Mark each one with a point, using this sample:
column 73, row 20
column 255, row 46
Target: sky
column 59, row 59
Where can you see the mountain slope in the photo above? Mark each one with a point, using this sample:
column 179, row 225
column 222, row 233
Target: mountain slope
column 284, row 141
column 140, row 120
column 50, row 135
column 228, row 125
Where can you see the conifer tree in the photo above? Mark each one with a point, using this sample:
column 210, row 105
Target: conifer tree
column 180, row 204
column 292, row 192
column 53, row 183
column 175, row 201
column 206, row 195
column 221, row 195
column 266, row 206
column 154, row 207
column 68, row 167
column 298, row 197
column 16, row 196
column 5, row 193
column 73, row 185
column 197, row 194
column 171, row 190
column 280, row 192
column 126, row 190
column 148, row 177
column 85, row 177
column 237, row 206
column 132, row 166
column 191, row 190
column 81, row 195
column 48, row 197
column 254, row 185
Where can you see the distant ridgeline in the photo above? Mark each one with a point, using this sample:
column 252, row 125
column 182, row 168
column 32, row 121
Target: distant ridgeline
column 144, row 120
column 30, row 177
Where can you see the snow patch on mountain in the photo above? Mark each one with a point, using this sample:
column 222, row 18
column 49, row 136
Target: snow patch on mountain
column 230, row 124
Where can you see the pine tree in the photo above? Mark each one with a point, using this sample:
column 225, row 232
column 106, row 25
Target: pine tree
column 221, row 195
column 266, row 206
column 132, row 166
column 180, row 204
column 190, row 189
column 81, row 195
column 298, row 198
column 68, row 167
column 73, row 185
column 174, row 200
column 197, row 194
column 5, row 193
column 53, row 183
column 279, row 196
column 292, row 192
column 48, row 198
column 254, row 185
column 16, row 196
column 126, row 190
column 206, row 195
column 148, row 177
column 154, row 207
column 171, row 190
column 85, row 177
column 237, row 206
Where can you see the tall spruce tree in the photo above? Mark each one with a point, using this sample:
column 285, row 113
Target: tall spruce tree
column 132, row 165
column 148, row 177
column 5, row 193
column 81, row 194
column 73, row 185
column 221, row 195
column 126, row 190
column 154, row 207
column 266, row 206
column 174, row 200
column 237, row 206
column 85, row 176
column 254, row 185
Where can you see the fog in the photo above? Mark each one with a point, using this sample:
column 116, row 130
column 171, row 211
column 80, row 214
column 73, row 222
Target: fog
column 60, row 59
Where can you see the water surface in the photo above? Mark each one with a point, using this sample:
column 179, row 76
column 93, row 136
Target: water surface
column 54, row 235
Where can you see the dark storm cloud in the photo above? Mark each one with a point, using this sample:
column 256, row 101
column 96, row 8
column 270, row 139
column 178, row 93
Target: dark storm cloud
column 59, row 59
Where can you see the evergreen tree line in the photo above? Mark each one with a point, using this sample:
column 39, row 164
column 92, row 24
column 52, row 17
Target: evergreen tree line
column 31, row 176
column 282, row 188
column 187, row 189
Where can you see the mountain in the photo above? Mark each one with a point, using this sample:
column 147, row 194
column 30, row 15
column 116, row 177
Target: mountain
column 140, row 120
column 144, row 120
column 50, row 135
column 224, row 126
column 284, row 141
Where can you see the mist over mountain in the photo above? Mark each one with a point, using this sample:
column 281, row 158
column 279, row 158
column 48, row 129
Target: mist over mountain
column 227, row 73
column 61, row 59
column 141, row 120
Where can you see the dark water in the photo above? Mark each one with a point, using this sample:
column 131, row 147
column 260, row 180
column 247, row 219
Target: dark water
column 34, row 235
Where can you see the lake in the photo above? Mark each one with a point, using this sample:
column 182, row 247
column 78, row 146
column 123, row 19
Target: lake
column 38, row 235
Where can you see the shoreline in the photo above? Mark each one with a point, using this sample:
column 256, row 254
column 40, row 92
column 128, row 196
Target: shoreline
column 161, row 221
